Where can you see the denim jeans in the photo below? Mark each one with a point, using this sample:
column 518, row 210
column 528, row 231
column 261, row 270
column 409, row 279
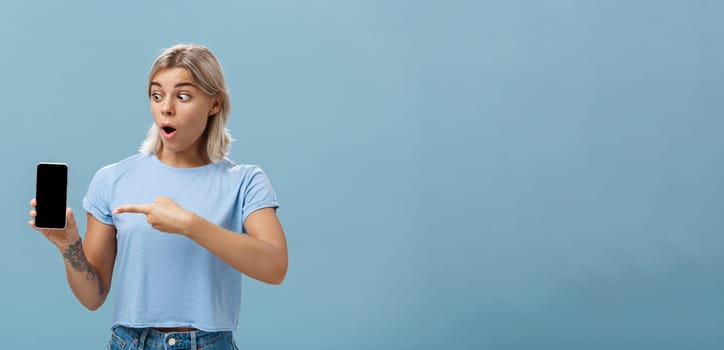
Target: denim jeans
column 125, row 338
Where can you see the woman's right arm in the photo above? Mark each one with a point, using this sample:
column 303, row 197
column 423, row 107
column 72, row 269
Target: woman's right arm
column 89, row 263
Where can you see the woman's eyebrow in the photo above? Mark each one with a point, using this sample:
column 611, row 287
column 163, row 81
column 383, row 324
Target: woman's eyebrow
column 183, row 83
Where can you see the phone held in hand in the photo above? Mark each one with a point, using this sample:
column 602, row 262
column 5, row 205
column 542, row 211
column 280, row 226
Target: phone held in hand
column 51, row 194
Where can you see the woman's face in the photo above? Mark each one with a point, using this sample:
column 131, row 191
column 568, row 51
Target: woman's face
column 180, row 110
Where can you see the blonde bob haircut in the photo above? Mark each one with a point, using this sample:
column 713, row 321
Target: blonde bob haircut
column 207, row 75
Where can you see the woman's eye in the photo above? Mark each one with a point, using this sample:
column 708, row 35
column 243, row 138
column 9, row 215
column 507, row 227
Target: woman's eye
column 184, row 97
column 156, row 96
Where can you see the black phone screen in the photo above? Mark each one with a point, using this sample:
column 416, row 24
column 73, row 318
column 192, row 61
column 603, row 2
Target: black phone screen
column 51, row 194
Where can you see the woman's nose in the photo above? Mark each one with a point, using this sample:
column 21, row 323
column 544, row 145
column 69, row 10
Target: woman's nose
column 167, row 108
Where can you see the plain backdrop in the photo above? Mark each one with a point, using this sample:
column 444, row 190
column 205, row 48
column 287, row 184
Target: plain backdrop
column 452, row 174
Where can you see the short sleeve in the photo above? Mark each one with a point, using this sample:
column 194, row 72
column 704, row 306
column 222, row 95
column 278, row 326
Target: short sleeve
column 258, row 193
column 97, row 198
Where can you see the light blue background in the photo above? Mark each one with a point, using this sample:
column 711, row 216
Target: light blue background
column 453, row 174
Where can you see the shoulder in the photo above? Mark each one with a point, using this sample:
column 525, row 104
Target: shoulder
column 239, row 170
column 116, row 169
column 248, row 177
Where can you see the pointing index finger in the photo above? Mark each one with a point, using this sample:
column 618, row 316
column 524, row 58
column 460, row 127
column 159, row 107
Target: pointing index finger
column 132, row 208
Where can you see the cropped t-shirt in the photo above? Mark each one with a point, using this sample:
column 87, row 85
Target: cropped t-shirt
column 167, row 280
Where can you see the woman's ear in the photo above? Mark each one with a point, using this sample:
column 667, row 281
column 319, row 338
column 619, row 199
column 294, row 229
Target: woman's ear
column 215, row 105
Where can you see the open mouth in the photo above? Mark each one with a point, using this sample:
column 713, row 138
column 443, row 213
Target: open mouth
column 168, row 130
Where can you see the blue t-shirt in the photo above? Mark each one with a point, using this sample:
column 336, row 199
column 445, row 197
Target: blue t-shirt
column 167, row 280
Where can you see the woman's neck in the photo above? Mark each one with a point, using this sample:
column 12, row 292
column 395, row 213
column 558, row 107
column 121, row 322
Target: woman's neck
column 183, row 159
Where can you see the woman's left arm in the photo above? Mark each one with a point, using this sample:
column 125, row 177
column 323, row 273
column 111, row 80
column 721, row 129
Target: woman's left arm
column 260, row 254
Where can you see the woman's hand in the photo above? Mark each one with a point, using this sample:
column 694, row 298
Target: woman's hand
column 60, row 238
column 163, row 214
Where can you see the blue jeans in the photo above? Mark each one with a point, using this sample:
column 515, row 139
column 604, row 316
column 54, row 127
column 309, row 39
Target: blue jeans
column 125, row 338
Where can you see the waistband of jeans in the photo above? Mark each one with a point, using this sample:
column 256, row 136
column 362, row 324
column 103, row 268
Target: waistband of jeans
column 150, row 335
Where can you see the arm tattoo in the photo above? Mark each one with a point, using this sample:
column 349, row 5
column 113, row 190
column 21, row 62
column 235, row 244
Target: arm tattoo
column 76, row 257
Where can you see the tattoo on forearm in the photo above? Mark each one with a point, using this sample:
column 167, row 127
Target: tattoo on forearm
column 76, row 258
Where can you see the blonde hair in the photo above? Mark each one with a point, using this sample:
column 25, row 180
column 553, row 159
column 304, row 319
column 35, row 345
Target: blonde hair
column 207, row 75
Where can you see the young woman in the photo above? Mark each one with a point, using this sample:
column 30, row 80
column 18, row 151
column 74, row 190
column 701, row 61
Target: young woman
column 165, row 225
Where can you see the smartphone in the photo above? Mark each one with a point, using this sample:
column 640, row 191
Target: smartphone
column 51, row 193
